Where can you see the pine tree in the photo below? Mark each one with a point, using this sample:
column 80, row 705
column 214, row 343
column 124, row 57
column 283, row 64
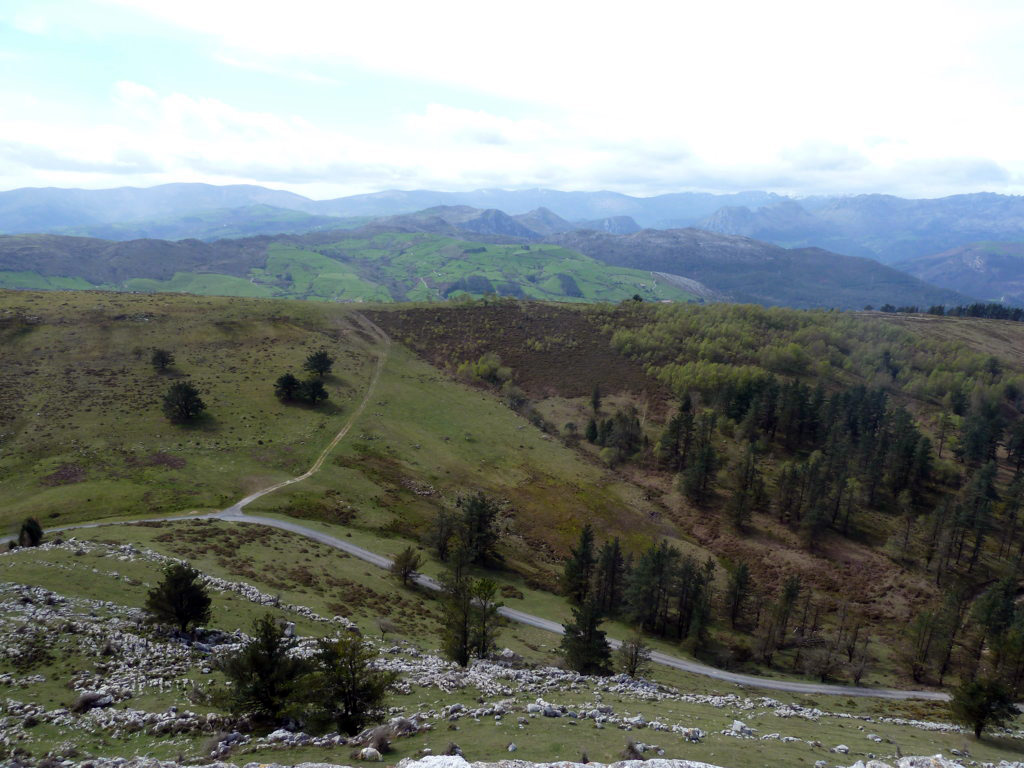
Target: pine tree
column 610, row 579
column 578, row 573
column 405, row 565
column 737, row 592
column 180, row 598
column 287, row 387
column 748, row 491
column 319, row 362
column 312, row 391
column 698, row 476
column 584, row 646
column 981, row 703
column 346, row 688
column 469, row 612
column 484, row 617
column 479, row 526
column 787, row 600
column 456, row 600
column 161, row 360
column 31, row 533
column 266, row 678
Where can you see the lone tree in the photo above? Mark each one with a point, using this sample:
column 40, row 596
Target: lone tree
column 319, row 362
column 265, row 677
column 634, row 656
column 584, row 646
column 406, row 563
column 345, row 688
column 180, row 598
column 31, row 533
column 182, row 402
column 981, row 703
column 161, row 360
column 287, row 387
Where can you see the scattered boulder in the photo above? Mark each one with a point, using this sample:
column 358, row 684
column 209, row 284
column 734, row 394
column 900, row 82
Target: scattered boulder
column 369, row 754
column 91, row 700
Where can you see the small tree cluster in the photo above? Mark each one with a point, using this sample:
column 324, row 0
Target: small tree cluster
column 487, row 368
column 337, row 687
column 472, row 530
column 621, row 435
column 290, row 389
column 469, row 609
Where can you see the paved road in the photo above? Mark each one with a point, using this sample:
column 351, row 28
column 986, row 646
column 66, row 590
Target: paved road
column 235, row 513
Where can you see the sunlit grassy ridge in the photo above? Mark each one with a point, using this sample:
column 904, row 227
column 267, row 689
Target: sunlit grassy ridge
column 360, row 268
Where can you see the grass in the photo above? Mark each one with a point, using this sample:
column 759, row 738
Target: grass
column 403, row 461
column 199, row 284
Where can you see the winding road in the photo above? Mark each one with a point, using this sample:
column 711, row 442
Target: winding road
column 235, row 513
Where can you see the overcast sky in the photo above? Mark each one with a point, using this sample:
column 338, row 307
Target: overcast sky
column 329, row 98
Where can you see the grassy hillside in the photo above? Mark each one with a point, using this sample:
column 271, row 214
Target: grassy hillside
column 83, row 438
column 83, row 433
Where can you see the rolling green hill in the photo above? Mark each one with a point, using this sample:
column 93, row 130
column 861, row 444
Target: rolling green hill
column 417, row 266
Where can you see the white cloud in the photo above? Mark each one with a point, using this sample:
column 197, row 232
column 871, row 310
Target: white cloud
column 800, row 95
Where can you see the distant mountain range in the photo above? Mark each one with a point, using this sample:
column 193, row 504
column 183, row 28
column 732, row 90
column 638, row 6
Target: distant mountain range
column 889, row 229
column 431, row 254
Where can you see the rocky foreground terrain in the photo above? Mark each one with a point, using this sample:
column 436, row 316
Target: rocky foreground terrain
column 454, row 761
column 138, row 665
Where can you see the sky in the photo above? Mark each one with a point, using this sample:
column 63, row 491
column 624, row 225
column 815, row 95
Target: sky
column 329, row 98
